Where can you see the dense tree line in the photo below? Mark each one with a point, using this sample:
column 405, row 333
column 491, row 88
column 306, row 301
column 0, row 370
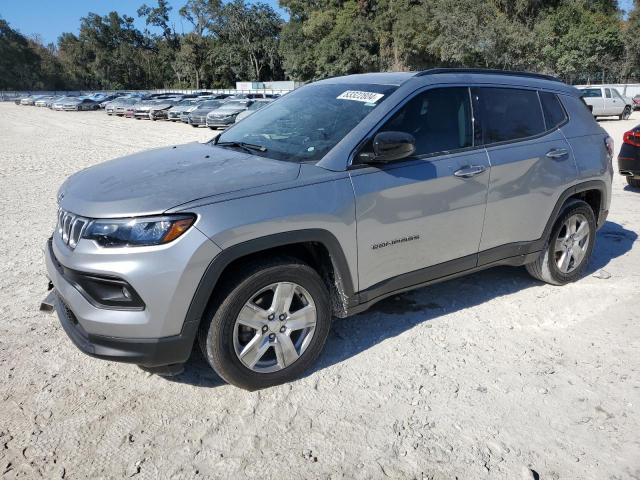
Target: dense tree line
column 579, row 40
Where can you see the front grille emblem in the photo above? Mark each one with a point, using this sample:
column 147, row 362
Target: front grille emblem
column 70, row 228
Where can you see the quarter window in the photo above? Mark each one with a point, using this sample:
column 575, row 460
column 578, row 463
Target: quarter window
column 439, row 119
column 554, row 114
column 509, row 114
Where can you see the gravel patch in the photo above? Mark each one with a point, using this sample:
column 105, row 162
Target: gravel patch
column 488, row 376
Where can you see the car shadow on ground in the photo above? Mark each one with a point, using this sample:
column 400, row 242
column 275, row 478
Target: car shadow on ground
column 397, row 314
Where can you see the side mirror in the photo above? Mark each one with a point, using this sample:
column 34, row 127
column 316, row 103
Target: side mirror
column 391, row 146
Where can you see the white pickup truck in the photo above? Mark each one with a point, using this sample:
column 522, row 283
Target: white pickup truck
column 606, row 101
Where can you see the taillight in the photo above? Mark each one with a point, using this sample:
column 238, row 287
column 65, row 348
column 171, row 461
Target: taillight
column 608, row 141
column 631, row 138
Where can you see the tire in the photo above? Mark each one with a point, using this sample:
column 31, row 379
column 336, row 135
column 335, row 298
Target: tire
column 626, row 113
column 220, row 330
column 546, row 267
column 194, row 126
column 633, row 182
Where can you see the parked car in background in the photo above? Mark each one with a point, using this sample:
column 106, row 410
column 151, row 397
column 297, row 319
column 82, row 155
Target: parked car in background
column 142, row 109
column 340, row 194
column 80, row 104
column 629, row 157
column 254, row 107
column 159, row 109
column 606, row 102
column 110, row 107
column 125, row 105
column 30, row 100
column 58, row 103
column 636, row 102
column 53, row 100
column 43, row 101
column 198, row 116
column 186, row 105
column 106, row 99
column 226, row 115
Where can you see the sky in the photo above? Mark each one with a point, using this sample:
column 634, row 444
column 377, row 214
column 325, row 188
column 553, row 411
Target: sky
column 48, row 18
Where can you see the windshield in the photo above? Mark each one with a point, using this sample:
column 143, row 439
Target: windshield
column 188, row 101
column 305, row 124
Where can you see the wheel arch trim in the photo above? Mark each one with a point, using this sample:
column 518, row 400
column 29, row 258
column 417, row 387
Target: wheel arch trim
column 214, row 271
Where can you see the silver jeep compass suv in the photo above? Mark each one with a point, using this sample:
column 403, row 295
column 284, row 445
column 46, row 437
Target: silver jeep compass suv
column 333, row 197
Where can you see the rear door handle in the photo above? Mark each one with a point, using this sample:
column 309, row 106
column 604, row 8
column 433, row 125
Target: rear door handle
column 470, row 171
column 557, row 153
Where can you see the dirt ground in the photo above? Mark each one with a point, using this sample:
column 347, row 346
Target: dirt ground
column 490, row 376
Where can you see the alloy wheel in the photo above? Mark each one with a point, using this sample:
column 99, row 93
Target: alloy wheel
column 274, row 327
column 572, row 243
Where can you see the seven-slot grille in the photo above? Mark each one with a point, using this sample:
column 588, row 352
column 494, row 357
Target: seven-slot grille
column 70, row 227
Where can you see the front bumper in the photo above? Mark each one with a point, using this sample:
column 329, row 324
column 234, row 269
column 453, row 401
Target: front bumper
column 151, row 352
column 154, row 336
column 158, row 114
column 220, row 122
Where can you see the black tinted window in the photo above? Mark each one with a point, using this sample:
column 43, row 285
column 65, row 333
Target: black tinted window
column 439, row 119
column 607, row 93
column 591, row 93
column 509, row 114
column 554, row 114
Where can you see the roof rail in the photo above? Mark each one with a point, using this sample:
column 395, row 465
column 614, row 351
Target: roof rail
column 488, row 71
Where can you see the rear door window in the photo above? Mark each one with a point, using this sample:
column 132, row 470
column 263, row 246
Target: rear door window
column 554, row 114
column 509, row 114
column 607, row 92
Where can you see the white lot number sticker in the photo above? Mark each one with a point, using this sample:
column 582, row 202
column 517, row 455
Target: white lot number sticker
column 365, row 97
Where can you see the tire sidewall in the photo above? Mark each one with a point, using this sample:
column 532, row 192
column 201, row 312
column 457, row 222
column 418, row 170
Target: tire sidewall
column 218, row 345
column 558, row 276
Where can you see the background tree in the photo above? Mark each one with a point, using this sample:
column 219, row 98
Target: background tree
column 230, row 40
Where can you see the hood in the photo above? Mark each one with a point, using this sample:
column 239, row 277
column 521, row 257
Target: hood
column 152, row 182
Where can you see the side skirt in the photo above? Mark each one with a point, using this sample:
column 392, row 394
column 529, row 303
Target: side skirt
column 443, row 272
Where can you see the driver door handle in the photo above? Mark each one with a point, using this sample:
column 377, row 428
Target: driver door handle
column 470, row 171
column 557, row 153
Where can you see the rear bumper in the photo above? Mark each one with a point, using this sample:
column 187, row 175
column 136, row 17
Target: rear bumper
column 629, row 161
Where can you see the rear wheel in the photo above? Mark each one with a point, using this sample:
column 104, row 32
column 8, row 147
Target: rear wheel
column 626, row 113
column 268, row 324
column 633, row 182
column 570, row 245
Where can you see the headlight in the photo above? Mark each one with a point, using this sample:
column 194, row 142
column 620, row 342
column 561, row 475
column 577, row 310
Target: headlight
column 138, row 232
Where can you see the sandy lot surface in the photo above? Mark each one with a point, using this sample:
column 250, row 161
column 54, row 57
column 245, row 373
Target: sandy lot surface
column 489, row 376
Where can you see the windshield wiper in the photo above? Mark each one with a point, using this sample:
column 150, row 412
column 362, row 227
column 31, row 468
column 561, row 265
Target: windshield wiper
column 249, row 147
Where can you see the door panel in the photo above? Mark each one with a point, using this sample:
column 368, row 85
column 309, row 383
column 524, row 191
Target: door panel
column 525, row 185
column 419, row 214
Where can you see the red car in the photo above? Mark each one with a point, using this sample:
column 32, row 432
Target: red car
column 629, row 157
column 636, row 102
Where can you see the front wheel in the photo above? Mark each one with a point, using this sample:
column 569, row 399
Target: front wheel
column 269, row 323
column 626, row 113
column 569, row 248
